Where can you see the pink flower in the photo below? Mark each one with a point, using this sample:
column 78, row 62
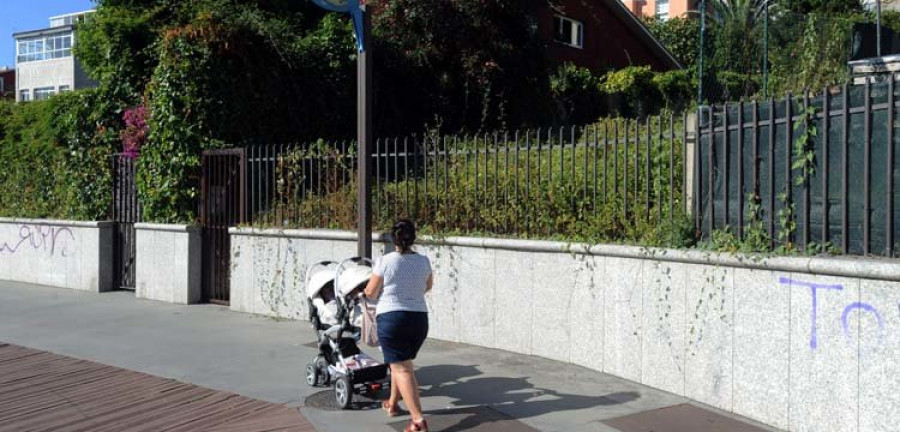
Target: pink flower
column 135, row 133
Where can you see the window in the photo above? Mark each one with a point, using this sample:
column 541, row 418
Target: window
column 569, row 32
column 66, row 20
column 44, row 48
column 24, row 96
column 43, row 93
column 2, row 85
column 64, row 88
column 662, row 9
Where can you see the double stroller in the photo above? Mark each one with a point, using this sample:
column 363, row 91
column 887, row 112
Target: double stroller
column 334, row 292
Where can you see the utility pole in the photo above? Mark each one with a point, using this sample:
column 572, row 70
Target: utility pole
column 362, row 23
column 364, row 96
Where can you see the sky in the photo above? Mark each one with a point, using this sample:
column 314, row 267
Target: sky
column 22, row 15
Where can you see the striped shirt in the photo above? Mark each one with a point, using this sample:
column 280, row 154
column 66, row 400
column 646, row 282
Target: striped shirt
column 404, row 282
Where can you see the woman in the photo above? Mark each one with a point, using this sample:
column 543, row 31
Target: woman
column 402, row 278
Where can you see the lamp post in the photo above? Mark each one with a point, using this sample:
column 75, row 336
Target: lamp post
column 362, row 23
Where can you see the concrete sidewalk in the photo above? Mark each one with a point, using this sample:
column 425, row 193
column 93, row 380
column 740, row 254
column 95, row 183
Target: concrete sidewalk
column 463, row 387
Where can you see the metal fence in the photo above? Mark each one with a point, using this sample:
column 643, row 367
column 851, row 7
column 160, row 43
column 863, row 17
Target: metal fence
column 814, row 172
column 288, row 184
column 810, row 173
column 222, row 206
column 126, row 211
column 609, row 180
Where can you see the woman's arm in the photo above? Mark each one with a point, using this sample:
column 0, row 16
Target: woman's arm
column 429, row 282
column 373, row 289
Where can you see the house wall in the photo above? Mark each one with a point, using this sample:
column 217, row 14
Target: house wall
column 45, row 73
column 64, row 254
column 885, row 5
column 608, row 43
column 680, row 8
column 635, row 6
column 647, row 8
column 796, row 343
column 8, row 86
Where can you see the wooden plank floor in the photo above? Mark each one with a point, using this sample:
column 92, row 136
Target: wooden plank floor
column 40, row 391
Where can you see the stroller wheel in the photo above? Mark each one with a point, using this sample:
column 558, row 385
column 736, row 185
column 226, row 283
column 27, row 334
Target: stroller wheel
column 312, row 375
column 343, row 392
column 322, row 367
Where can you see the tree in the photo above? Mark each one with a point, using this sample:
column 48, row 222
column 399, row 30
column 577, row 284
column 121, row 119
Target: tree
column 577, row 93
column 821, row 6
column 681, row 36
column 469, row 64
column 737, row 26
column 216, row 73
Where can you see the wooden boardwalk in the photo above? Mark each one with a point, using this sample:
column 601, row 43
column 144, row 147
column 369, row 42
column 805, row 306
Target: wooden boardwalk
column 40, row 391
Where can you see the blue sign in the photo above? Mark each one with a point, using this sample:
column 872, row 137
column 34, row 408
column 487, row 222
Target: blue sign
column 334, row 5
column 351, row 7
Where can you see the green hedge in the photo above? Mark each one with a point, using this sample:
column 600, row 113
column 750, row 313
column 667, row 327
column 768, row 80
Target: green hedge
column 56, row 158
column 636, row 91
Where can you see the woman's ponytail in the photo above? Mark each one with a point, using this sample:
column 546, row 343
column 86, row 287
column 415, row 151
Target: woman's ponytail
column 404, row 234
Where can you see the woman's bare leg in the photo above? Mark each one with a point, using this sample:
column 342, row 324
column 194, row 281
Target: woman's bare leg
column 408, row 386
column 395, row 391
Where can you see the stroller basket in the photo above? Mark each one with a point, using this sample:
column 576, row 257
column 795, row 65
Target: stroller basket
column 369, row 374
column 348, row 347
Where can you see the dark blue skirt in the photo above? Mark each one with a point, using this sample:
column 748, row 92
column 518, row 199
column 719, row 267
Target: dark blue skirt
column 401, row 334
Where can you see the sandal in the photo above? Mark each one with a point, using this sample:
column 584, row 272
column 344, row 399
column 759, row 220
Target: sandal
column 391, row 411
column 414, row 426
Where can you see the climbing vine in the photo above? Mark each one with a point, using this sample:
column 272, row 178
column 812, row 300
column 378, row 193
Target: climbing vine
column 787, row 222
column 804, row 160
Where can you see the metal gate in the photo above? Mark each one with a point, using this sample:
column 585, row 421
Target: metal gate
column 222, row 206
column 126, row 211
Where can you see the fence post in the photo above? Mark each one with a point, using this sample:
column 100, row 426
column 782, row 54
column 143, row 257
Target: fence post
column 740, row 169
column 889, row 252
column 691, row 138
column 726, row 164
column 826, row 123
column 867, row 172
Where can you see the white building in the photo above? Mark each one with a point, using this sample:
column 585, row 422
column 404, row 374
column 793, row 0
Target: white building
column 44, row 61
column 885, row 4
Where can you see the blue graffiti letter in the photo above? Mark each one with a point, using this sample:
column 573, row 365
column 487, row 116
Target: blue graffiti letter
column 868, row 308
column 813, row 287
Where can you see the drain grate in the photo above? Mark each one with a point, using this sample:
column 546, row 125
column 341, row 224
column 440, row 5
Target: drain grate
column 680, row 418
column 475, row 419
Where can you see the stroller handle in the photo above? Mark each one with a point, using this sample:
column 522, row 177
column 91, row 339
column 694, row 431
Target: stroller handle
column 340, row 268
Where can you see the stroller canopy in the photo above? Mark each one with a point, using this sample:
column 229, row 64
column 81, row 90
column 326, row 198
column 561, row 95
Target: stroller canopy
column 322, row 278
column 353, row 278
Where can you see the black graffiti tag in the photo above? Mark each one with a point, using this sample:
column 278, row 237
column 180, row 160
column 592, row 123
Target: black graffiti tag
column 41, row 238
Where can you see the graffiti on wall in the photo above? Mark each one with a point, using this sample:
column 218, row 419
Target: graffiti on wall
column 817, row 289
column 41, row 238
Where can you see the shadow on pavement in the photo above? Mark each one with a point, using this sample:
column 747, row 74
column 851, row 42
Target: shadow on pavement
column 472, row 419
column 517, row 395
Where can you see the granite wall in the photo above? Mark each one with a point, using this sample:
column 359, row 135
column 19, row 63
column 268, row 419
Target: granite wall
column 64, row 254
column 802, row 344
column 168, row 263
